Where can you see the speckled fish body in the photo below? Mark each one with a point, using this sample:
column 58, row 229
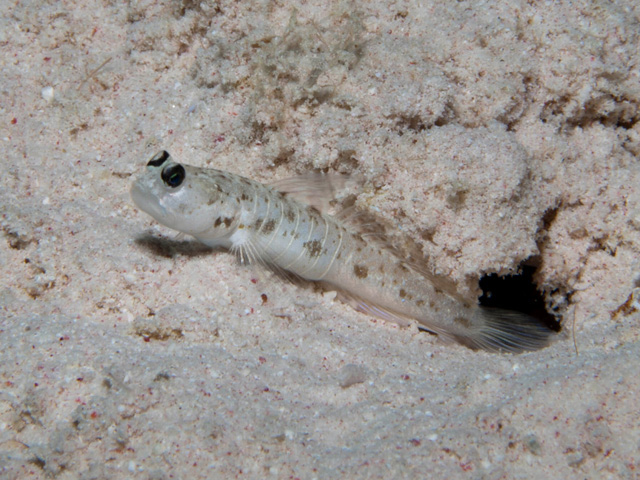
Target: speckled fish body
column 264, row 225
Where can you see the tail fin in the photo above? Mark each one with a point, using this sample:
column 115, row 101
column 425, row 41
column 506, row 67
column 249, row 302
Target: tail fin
column 498, row 330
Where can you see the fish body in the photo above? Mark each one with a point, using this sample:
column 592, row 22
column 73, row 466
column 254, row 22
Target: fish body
column 265, row 225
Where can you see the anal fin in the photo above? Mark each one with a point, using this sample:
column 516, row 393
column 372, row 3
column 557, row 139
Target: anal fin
column 371, row 308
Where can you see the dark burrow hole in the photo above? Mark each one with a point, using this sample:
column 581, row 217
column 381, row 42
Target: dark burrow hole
column 519, row 293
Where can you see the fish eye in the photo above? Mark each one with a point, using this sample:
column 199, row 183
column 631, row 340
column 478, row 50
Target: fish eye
column 158, row 159
column 173, row 175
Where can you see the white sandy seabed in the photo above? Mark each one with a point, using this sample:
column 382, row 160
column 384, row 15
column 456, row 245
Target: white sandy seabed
column 493, row 135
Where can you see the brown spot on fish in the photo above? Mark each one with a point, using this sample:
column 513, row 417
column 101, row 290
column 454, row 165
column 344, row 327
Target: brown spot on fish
column 290, row 214
column 402, row 267
column 226, row 220
column 269, row 226
column 361, row 271
column 244, row 197
column 316, row 214
column 463, row 322
column 314, row 247
column 403, row 293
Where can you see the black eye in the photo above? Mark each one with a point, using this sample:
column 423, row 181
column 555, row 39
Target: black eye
column 158, row 159
column 173, row 175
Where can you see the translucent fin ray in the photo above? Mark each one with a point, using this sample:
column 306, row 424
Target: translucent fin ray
column 314, row 189
column 499, row 330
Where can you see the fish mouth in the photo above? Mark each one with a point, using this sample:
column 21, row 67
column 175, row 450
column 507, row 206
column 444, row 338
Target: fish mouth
column 146, row 201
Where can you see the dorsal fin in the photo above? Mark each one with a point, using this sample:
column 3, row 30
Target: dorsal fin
column 314, row 188
column 441, row 282
column 371, row 228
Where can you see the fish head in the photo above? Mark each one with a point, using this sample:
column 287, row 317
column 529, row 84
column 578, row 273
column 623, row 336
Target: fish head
column 191, row 200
